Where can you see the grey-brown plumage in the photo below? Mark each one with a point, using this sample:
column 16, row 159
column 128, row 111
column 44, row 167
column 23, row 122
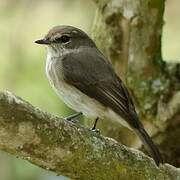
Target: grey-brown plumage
column 87, row 82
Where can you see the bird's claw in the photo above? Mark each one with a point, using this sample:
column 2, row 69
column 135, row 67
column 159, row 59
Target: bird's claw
column 94, row 127
column 73, row 117
column 95, row 130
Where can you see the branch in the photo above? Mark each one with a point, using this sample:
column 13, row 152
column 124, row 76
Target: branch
column 66, row 148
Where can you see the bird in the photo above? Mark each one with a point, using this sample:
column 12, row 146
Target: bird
column 85, row 80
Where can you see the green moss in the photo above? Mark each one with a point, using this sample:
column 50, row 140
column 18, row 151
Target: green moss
column 148, row 91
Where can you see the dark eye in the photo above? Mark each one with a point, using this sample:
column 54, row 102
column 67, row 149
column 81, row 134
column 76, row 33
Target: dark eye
column 63, row 39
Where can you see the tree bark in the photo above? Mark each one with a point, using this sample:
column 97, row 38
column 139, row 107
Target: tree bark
column 69, row 149
column 129, row 33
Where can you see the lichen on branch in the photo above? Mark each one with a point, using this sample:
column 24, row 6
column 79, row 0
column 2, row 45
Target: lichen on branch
column 69, row 149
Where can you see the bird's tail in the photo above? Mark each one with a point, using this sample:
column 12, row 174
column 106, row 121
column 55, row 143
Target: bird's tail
column 152, row 149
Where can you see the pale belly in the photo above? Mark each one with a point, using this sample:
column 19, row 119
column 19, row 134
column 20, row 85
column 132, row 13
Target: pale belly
column 80, row 102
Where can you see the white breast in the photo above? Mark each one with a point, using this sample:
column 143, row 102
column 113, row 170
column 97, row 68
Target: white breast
column 75, row 99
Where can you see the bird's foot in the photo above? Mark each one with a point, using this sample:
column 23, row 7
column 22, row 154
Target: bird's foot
column 94, row 127
column 73, row 117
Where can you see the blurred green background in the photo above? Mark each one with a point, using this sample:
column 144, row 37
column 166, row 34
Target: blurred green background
column 22, row 62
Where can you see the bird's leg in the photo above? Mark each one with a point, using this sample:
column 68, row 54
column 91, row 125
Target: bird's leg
column 73, row 116
column 94, row 126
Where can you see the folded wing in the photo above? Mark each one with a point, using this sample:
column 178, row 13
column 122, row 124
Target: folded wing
column 93, row 75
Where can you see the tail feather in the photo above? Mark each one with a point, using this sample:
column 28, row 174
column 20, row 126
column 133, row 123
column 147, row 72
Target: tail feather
column 151, row 147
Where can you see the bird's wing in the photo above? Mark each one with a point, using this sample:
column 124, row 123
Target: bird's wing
column 93, row 75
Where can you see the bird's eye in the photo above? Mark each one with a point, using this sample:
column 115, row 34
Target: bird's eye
column 62, row 39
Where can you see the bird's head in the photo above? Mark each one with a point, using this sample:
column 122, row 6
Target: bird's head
column 63, row 38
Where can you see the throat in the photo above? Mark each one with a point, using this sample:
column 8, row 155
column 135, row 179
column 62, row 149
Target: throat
column 52, row 52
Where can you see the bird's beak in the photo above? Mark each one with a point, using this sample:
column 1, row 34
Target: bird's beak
column 42, row 41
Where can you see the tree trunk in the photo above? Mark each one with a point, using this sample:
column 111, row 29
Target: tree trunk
column 129, row 33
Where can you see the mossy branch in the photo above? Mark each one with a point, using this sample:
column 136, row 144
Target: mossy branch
column 69, row 149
